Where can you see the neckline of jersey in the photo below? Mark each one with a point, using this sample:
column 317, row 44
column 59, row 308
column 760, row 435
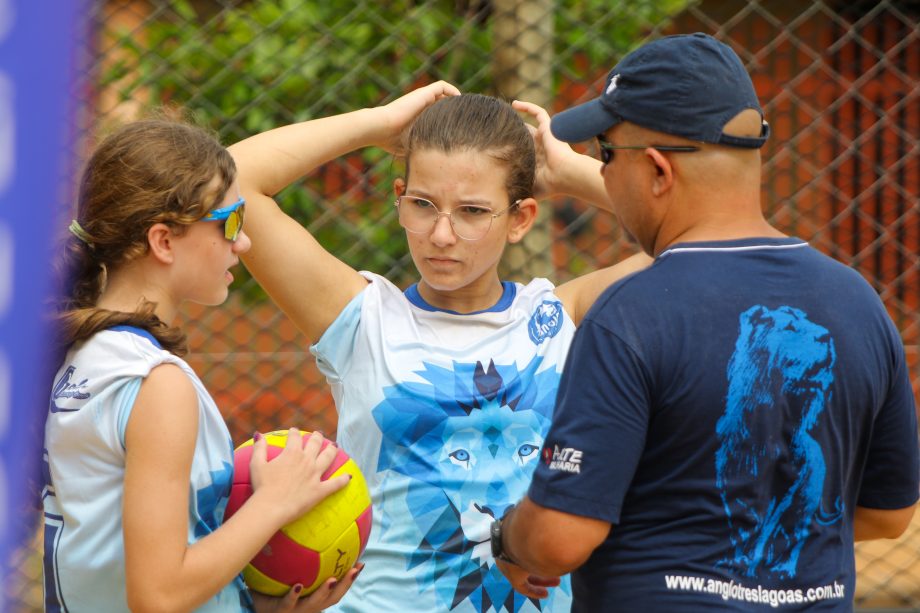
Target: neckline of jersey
column 742, row 244
column 137, row 332
column 509, row 291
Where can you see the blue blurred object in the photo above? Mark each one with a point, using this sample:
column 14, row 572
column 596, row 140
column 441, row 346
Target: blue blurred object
column 39, row 68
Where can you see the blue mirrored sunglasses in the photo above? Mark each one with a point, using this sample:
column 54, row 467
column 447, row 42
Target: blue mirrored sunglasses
column 232, row 216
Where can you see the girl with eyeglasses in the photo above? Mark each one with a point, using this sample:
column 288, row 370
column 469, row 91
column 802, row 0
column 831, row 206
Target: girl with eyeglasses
column 444, row 390
column 138, row 460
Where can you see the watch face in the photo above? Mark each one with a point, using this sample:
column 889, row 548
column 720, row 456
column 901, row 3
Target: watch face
column 498, row 551
column 495, row 534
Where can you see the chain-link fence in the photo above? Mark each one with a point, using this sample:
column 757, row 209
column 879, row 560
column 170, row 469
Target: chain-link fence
column 839, row 81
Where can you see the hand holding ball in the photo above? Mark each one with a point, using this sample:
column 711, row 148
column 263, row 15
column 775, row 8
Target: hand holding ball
column 325, row 542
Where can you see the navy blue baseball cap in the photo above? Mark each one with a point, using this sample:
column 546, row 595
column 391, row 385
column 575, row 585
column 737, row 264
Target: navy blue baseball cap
column 688, row 85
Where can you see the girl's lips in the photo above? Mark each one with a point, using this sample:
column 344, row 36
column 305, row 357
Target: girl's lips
column 442, row 261
column 229, row 274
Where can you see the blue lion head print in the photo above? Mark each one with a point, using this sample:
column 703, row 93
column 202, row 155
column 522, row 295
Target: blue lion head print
column 779, row 381
column 468, row 439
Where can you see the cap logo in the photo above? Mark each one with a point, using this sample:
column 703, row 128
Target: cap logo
column 613, row 85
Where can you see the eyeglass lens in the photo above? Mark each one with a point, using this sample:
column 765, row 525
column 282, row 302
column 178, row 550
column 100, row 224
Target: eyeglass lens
column 232, row 216
column 234, row 224
column 419, row 215
column 606, row 154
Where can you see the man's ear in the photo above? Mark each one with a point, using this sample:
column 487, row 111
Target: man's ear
column 399, row 186
column 664, row 173
column 160, row 240
column 522, row 218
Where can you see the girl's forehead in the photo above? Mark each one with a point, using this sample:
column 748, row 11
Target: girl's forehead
column 421, row 155
column 464, row 167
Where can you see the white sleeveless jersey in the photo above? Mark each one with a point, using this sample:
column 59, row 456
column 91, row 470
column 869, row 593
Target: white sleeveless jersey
column 445, row 414
column 92, row 398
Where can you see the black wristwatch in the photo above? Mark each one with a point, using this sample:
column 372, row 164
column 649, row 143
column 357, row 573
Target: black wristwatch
column 495, row 535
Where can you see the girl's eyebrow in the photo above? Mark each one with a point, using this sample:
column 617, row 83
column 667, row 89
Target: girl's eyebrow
column 417, row 193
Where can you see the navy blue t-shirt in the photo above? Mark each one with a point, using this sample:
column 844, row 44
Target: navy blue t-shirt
column 727, row 409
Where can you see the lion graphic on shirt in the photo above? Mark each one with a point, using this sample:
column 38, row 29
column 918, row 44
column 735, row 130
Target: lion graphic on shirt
column 770, row 470
column 466, row 439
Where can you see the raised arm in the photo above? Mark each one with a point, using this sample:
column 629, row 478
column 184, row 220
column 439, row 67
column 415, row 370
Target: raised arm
column 563, row 171
column 560, row 169
column 308, row 283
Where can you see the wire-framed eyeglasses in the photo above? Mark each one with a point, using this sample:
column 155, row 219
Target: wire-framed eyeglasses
column 469, row 221
column 607, row 149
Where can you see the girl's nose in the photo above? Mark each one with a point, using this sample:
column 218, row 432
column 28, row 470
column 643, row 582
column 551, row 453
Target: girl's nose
column 242, row 243
column 443, row 232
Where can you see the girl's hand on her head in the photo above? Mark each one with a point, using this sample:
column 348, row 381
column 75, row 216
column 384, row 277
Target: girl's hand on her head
column 398, row 115
column 291, row 482
column 328, row 594
column 552, row 154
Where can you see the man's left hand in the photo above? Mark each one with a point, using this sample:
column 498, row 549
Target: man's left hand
column 532, row 586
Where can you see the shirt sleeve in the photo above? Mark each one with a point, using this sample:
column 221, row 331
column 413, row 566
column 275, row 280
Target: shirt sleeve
column 125, row 395
column 891, row 478
column 335, row 347
column 599, row 428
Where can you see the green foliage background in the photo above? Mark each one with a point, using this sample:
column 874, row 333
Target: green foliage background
column 255, row 65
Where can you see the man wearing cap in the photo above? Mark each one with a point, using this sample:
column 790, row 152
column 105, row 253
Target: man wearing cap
column 732, row 418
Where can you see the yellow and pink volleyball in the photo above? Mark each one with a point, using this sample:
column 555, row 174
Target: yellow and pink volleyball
column 324, row 543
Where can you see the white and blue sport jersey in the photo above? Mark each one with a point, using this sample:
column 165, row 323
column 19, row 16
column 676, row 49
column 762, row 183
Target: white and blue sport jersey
column 445, row 414
column 91, row 402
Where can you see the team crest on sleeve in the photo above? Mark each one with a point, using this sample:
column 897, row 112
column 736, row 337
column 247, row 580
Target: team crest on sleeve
column 546, row 321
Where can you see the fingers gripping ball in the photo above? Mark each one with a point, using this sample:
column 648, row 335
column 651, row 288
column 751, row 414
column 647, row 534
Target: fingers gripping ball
column 324, row 543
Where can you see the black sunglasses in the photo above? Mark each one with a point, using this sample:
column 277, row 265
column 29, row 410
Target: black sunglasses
column 607, row 149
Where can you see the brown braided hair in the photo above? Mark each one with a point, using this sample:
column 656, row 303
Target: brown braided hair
column 146, row 172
